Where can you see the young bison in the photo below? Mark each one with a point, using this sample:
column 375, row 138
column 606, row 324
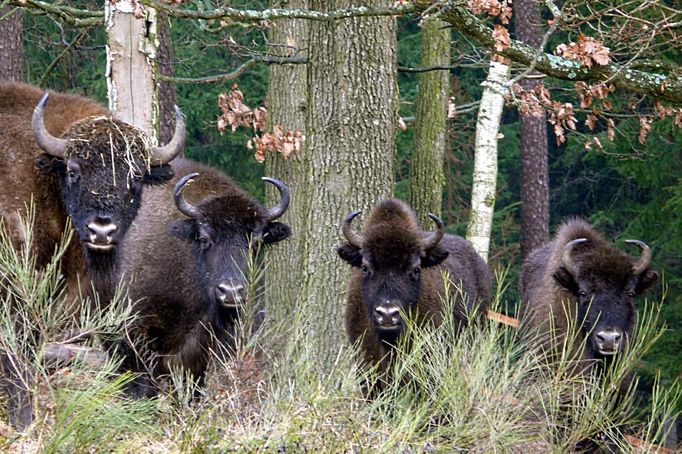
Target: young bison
column 579, row 279
column 397, row 269
column 187, row 255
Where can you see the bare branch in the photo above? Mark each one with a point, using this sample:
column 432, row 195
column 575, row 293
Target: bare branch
column 244, row 15
column 269, row 59
column 76, row 17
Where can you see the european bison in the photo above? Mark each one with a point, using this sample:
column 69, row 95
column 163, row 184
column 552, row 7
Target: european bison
column 189, row 268
column 398, row 268
column 73, row 159
column 581, row 280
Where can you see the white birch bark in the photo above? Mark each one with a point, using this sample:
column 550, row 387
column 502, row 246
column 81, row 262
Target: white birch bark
column 485, row 160
column 132, row 45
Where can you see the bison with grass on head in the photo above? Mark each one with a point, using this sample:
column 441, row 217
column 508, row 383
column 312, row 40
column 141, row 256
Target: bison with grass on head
column 187, row 255
column 71, row 159
column 74, row 159
column 397, row 269
column 580, row 279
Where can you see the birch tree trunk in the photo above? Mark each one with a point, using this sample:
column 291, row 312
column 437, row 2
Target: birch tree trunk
column 426, row 170
column 533, row 132
column 485, row 158
column 11, row 45
column 132, row 45
column 349, row 154
column 287, row 98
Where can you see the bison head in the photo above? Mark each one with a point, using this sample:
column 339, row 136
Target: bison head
column 604, row 282
column 102, row 164
column 391, row 254
column 225, row 229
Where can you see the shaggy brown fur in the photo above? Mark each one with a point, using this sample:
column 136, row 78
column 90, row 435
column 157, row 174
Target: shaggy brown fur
column 600, row 296
column 174, row 276
column 18, row 152
column 106, row 162
column 384, row 270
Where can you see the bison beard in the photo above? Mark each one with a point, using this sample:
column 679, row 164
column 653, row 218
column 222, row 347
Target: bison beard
column 187, row 262
column 398, row 268
column 72, row 159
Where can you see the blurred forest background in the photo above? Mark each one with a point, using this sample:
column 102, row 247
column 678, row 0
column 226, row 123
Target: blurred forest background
column 627, row 189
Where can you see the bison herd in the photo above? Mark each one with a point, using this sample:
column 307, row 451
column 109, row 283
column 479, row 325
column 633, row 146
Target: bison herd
column 180, row 234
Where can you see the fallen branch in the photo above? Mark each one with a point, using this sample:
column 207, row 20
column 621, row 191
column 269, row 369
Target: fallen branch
column 64, row 354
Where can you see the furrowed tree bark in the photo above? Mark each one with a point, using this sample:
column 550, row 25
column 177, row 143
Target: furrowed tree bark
column 287, row 98
column 349, row 153
column 132, row 45
column 166, row 89
column 534, row 173
column 11, row 45
column 485, row 158
column 426, row 171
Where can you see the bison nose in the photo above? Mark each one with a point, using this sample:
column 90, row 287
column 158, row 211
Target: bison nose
column 608, row 341
column 230, row 295
column 387, row 316
column 101, row 231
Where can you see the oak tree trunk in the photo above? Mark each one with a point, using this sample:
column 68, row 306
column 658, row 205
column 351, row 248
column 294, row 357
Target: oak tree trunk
column 164, row 62
column 287, row 98
column 11, row 45
column 426, row 169
column 534, row 173
column 485, row 157
column 349, row 153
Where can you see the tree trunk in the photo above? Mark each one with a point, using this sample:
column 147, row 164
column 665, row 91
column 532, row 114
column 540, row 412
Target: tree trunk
column 132, row 45
column 349, row 153
column 426, row 169
column 534, row 173
column 166, row 89
column 11, row 45
column 287, row 97
column 485, row 159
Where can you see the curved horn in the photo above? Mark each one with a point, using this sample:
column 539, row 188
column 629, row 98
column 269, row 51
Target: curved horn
column 352, row 237
column 567, row 260
column 284, row 197
column 432, row 240
column 163, row 155
column 183, row 205
column 645, row 260
column 52, row 145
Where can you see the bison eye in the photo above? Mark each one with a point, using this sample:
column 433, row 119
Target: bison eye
column 631, row 293
column 73, row 176
column 364, row 269
column 582, row 293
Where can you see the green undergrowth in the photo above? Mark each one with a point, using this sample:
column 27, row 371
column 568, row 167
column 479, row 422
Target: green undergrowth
column 477, row 389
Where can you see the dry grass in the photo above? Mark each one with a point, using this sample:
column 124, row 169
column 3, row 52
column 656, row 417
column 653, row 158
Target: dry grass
column 482, row 391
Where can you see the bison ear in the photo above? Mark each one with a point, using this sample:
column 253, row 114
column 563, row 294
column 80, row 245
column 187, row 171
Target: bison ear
column 275, row 232
column 184, row 229
column 565, row 279
column 434, row 256
column 350, row 254
column 645, row 280
column 158, row 175
column 49, row 164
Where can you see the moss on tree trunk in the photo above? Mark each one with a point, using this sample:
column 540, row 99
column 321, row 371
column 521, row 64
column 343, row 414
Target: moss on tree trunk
column 426, row 170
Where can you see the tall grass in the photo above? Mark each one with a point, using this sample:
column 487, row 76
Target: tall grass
column 477, row 389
